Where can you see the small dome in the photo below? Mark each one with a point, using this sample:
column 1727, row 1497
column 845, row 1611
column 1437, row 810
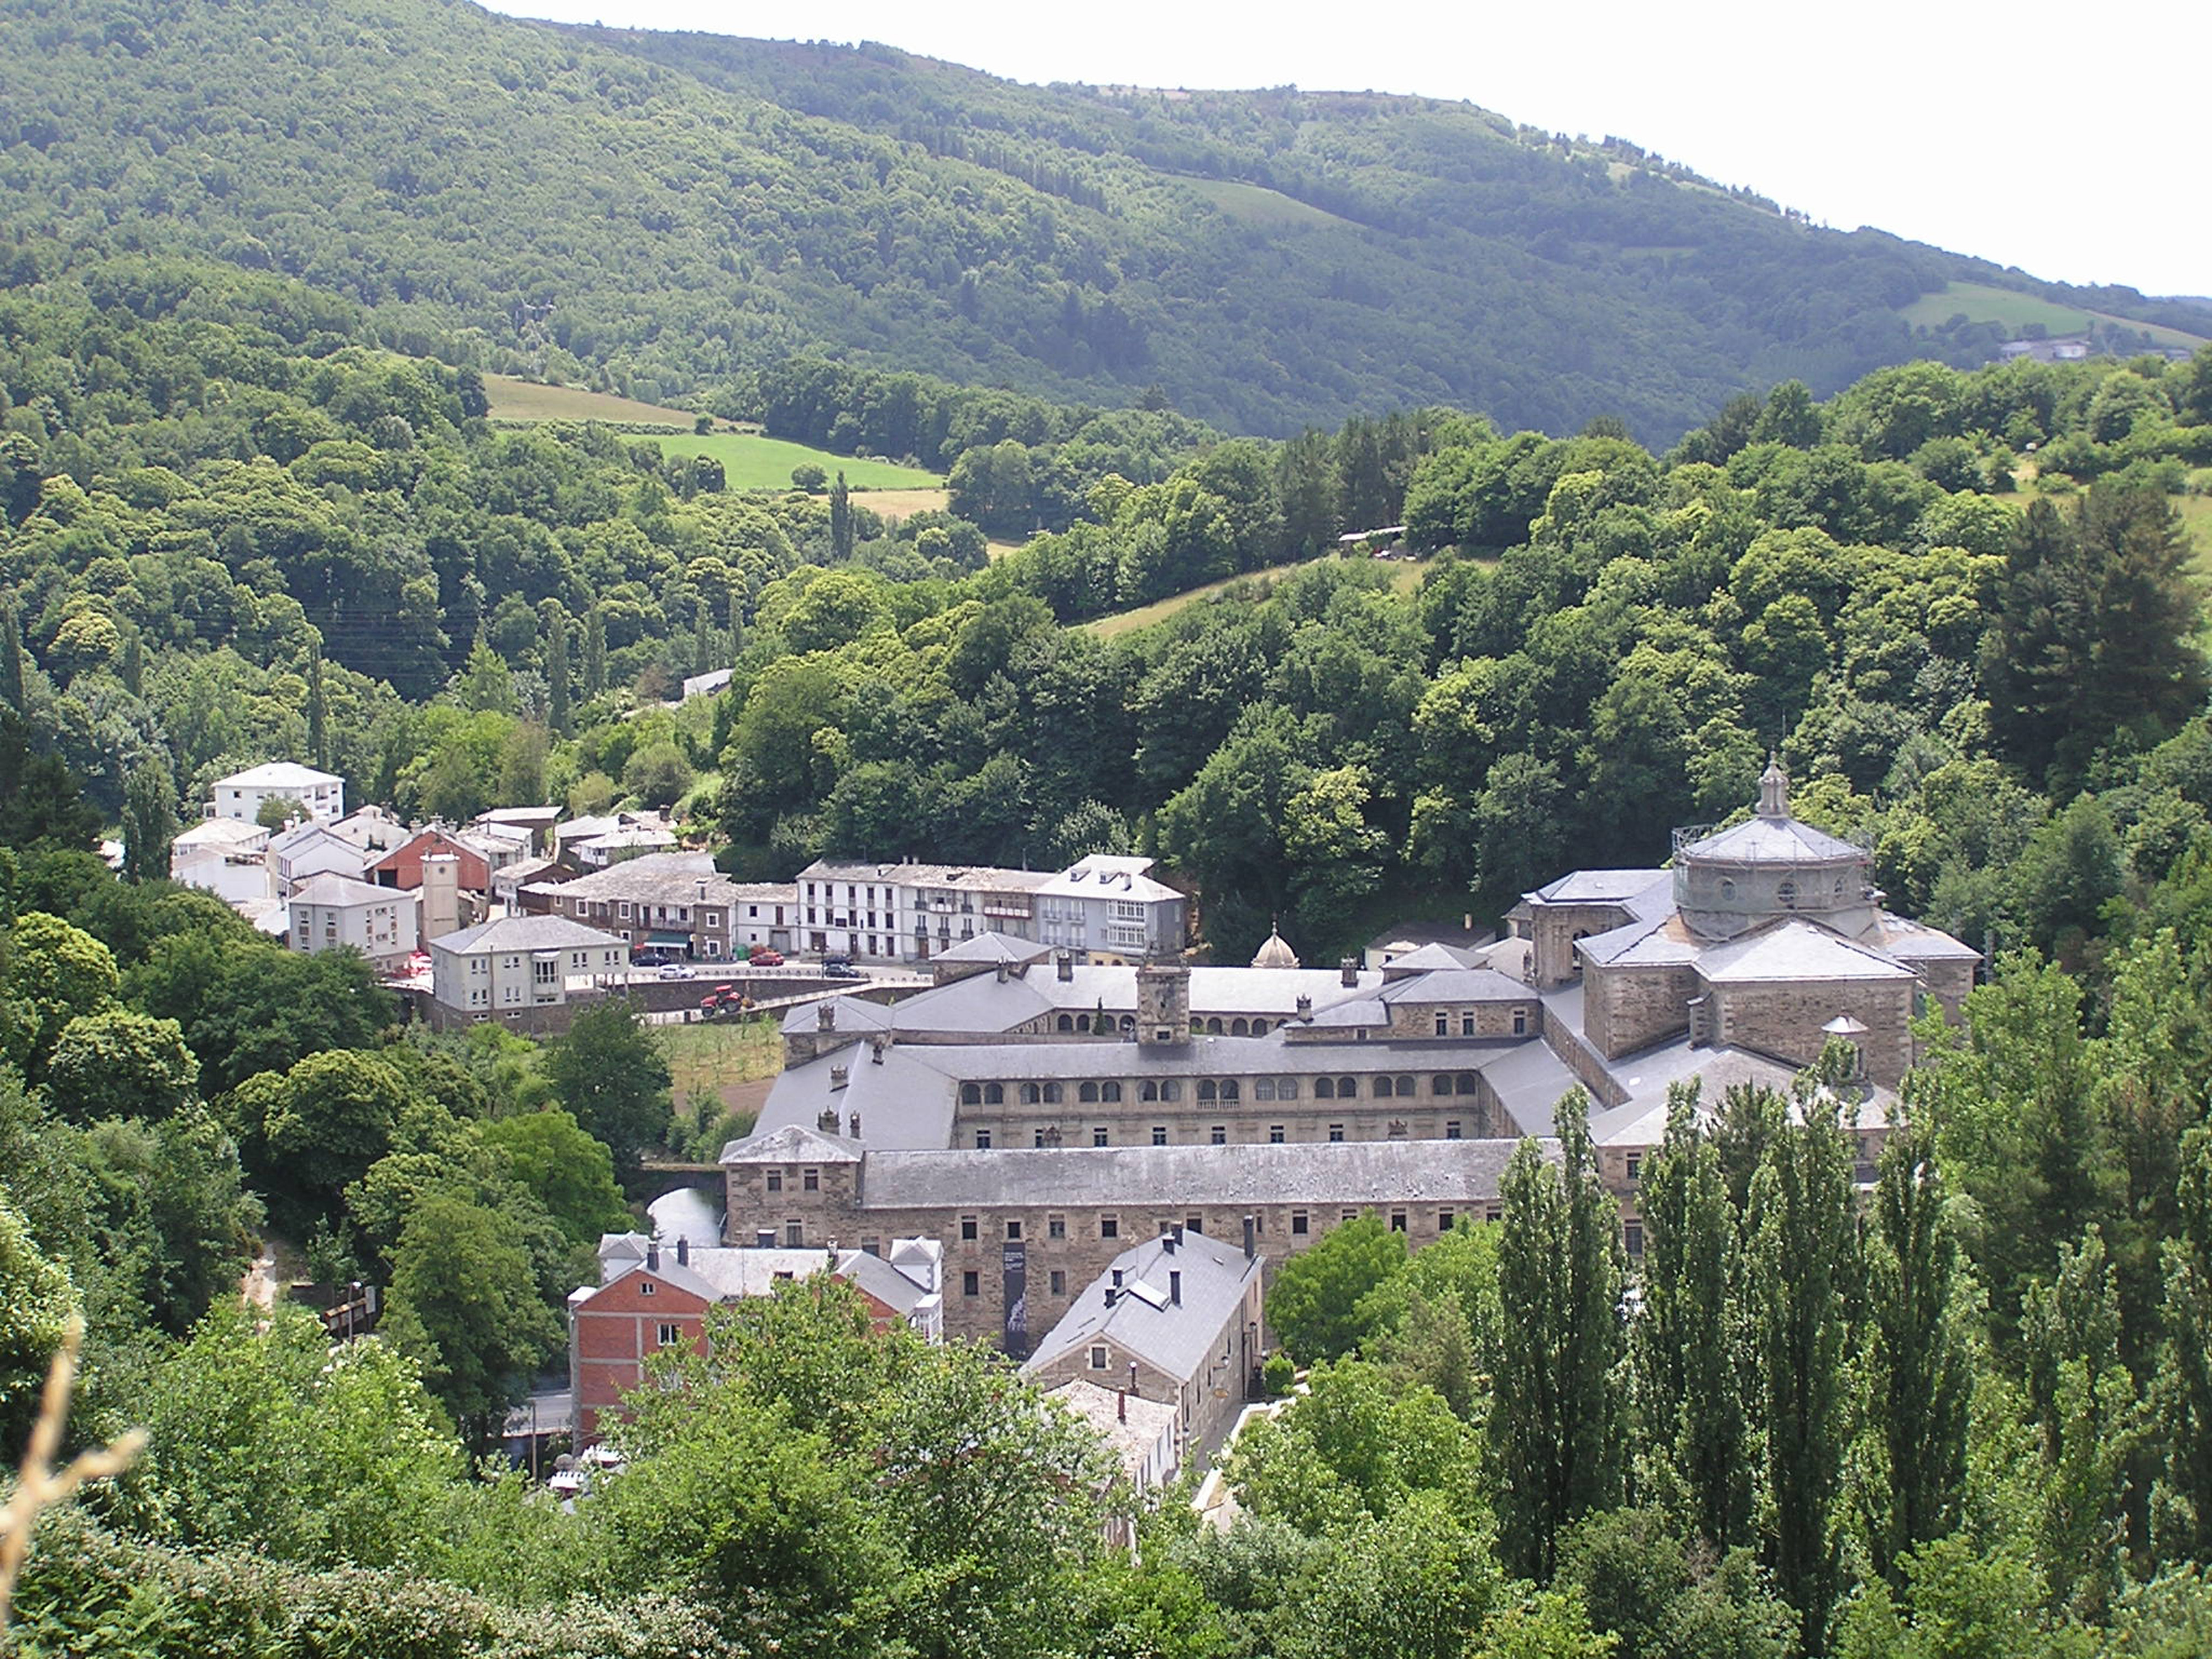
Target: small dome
column 1275, row 953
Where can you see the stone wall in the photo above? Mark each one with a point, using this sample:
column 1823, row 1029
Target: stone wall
column 1464, row 1019
column 1466, row 1110
column 1784, row 1020
column 1625, row 1009
column 1552, row 931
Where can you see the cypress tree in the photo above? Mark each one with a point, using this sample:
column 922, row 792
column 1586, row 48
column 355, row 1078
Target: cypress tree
column 1920, row 1358
column 595, row 652
column 1556, row 1427
column 318, row 712
column 702, row 640
column 2181, row 1504
column 1687, row 1342
column 1803, row 1255
column 841, row 520
column 556, row 671
column 132, row 669
column 149, row 822
column 11, row 658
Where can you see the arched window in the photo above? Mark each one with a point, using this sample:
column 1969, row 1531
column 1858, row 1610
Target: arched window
column 1053, row 1094
column 1404, row 1088
column 1128, row 1022
column 1031, row 1095
column 1205, row 1091
column 1467, row 1083
column 1213, row 1026
column 1728, row 889
column 1083, row 1022
column 1150, row 1091
column 1787, row 893
column 1441, row 1084
column 1259, row 1028
column 1239, row 1028
column 1110, row 1092
column 1347, row 1088
column 1324, row 1088
column 1286, row 1088
column 970, row 1095
column 1171, row 1090
column 1383, row 1088
column 994, row 1095
column 1087, row 1093
column 1067, row 1023
column 1228, row 1091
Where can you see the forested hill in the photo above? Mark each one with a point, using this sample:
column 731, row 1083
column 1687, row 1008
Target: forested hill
column 669, row 213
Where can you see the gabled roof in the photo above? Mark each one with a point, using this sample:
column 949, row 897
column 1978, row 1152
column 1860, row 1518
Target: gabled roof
column 343, row 892
column 1180, row 1337
column 1456, row 983
column 1915, row 941
column 522, row 934
column 1794, row 948
column 993, row 947
column 1597, row 886
column 1429, row 958
column 792, row 1144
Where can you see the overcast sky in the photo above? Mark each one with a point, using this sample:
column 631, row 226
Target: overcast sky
column 2065, row 140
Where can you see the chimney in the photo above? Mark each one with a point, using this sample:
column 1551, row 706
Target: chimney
column 825, row 1019
column 1251, row 1243
column 1064, row 963
column 1117, row 1279
column 1305, row 1005
column 1350, row 967
column 840, row 1076
column 703, row 889
column 765, row 1238
column 1171, row 1238
column 1175, row 1286
column 854, row 1123
column 682, row 1251
column 1121, row 1406
column 876, row 1051
column 653, row 1255
column 1002, row 973
column 826, row 1120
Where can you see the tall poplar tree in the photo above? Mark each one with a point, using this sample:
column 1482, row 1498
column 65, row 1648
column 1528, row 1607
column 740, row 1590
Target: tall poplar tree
column 1687, row 1344
column 11, row 658
column 841, row 520
column 1921, row 1310
column 319, row 710
column 1557, row 1427
column 556, row 671
column 2181, row 1504
column 595, row 652
column 1803, row 1259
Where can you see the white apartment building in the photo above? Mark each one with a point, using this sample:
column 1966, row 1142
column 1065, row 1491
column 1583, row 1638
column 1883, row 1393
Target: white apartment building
column 335, row 912
column 320, row 795
column 1109, row 908
column 225, row 857
column 515, row 963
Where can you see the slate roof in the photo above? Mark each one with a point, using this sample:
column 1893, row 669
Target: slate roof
column 1795, row 949
column 1600, row 887
column 343, row 892
column 277, row 774
column 1131, row 1425
column 993, row 947
column 1180, row 1337
column 1351, row 1174
column 1770, row 841
column 1456, row 984
column 525, row 933
column 1915, row 941
column 791, row 1143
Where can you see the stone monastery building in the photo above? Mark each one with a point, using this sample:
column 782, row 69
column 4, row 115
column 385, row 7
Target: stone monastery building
column 1038, row 1115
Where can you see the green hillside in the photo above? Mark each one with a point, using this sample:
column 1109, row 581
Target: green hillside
column 660, row 215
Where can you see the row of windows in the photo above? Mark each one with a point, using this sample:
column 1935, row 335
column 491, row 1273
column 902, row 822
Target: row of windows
column 1302, row 1226
column 1049, row 1135
column 1170, row 1089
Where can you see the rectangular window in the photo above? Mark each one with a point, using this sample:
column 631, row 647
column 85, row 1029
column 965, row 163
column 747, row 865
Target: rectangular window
column 1013, row 1231
column 1159, row 1135
column 1109, row 1226
column 1397, row 1221
column 1635, row 1166
column 1445, row 1220
column 1037, row 1138
column 811, row 1181
column 983, row 1140
column 1520, row 1021
column 1275, row 1133
column 1451, row 1128
column 1059, row 1282
column 1298, row 1223
column 1194, row 1224
column 1336, row 1131
column 667, row 1336
column 646, row 1287
column 794, row 1234
column 971, row 1283
column 1219, row 1133
column 1100, row 1137
column 1099, row 1356
column 775, row 1181
column 1443, row 1023
column 967, row 1226
column 1055, row 1226
column 1494, row 1213
column 1632, row 1235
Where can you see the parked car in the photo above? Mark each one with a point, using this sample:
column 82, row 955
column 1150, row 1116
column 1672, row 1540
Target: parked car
column 679, row 970
column 763, row 957
column 839, row 967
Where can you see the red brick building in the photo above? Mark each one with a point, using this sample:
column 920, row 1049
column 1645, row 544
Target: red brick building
column 401, row 866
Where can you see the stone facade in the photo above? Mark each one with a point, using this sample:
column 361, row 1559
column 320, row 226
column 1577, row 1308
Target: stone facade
column 1786, row 1020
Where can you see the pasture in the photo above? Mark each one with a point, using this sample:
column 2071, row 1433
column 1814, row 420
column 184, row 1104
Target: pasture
column 752, row 461
column 529, row 400
column 2014, row 311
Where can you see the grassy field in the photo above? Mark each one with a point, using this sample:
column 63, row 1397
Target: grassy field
column 896, row 504
column 2197, row 516
column 1255, row 204
column 526, row 400
column 750, row 461
column 1405, row 577
column 717, row 1056
column 1985, row 304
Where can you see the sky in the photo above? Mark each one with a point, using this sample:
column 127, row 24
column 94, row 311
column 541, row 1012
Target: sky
column 2053, row 137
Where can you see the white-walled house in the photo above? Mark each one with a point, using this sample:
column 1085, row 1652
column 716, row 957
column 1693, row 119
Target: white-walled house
column 320, row 795
column 331, row 913
column 517, row 962
column 225, row 857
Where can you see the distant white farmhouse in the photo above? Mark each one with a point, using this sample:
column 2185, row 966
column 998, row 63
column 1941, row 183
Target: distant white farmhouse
column 320, row 795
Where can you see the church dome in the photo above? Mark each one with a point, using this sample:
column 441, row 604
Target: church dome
column 1771, row 864
column 1275, row 953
